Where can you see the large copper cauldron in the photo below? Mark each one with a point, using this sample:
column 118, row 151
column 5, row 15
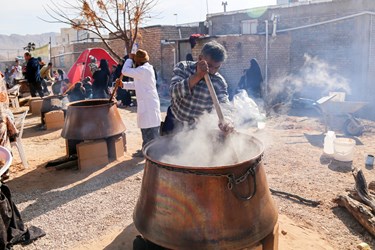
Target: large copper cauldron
column 222, row 207
column 92, row 119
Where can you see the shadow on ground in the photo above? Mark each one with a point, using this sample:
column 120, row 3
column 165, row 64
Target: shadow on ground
column 124, row 240
column 46, row 183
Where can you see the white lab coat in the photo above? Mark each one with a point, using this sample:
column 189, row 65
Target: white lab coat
column 148, row 103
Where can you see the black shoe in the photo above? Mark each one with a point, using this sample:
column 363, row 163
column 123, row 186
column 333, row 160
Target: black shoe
column 139, row 153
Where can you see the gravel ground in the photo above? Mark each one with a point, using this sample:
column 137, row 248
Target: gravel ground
column 92, row 208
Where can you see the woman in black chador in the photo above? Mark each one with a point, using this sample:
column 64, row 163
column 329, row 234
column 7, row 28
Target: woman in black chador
column 252, row 80
column 101, row 78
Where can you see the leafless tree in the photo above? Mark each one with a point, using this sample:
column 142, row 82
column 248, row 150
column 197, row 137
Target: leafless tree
column 120, row 18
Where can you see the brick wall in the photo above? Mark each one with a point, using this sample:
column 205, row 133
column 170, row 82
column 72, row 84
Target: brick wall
column 150, row 40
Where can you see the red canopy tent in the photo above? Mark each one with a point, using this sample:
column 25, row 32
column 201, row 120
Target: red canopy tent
column 81, row 69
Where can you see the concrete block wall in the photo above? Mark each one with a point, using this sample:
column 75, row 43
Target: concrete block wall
column 345, row 45
column 168, row 63
column 241, row 49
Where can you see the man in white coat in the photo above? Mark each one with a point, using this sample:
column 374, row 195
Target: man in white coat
column 148, row 103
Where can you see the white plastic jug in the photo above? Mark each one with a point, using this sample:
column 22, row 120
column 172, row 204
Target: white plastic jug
column 328, row 143
column 344, row 148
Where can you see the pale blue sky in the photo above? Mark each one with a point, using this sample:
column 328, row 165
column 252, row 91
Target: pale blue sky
column 21, row 16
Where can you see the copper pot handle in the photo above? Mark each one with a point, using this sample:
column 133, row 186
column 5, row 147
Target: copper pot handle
column 232, row 180
column 232, row 183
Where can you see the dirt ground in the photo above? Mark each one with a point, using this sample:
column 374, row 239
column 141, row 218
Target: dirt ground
column 92, row 208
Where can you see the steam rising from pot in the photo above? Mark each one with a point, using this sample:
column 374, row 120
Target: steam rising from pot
column 315, row 79
column 204, row 146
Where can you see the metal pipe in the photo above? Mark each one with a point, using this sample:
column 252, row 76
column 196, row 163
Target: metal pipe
column 266, row 69
column 324, row 22
column 369, row 56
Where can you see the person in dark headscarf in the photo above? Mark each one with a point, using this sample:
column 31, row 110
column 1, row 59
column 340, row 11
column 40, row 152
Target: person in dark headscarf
column 189, row 57
column 252, row 80
column 101, row 78
column 87, row 85
column 77, row 93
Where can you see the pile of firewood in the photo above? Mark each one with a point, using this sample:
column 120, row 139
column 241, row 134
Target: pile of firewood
column 360, row 201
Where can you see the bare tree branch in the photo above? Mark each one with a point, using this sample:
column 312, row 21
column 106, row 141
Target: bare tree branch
column 119, row 18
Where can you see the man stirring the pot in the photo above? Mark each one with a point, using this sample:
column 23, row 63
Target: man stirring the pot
column 148, row 103
column 189, row 91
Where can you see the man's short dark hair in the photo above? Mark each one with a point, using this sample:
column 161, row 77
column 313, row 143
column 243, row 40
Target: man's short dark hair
column 215, row 51
column 50, row 64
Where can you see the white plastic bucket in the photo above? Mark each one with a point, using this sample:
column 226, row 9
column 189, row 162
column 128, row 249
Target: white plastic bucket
column 343, row 149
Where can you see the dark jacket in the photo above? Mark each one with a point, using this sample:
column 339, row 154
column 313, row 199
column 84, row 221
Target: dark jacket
column 33, row 71
column 101, row 78
column 12, row 229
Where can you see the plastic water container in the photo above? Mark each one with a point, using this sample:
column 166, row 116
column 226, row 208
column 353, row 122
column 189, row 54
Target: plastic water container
column 328, row 143
column 344, row 148
column 261, row 122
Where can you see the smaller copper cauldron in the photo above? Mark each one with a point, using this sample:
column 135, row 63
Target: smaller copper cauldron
column 91, row 120
column 54, row 102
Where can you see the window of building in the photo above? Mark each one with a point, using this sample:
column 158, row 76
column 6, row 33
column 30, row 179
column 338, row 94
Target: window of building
column 249, row 26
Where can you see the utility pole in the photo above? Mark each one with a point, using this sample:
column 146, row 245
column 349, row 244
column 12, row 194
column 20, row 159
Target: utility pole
column 176, row 17
column 50, row 49
column 225, row 5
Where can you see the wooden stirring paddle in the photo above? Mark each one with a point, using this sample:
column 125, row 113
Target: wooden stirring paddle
column 219, row 112
column 114, row 90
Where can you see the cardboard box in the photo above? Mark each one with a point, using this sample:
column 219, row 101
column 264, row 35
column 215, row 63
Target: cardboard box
column 36, row 106
column 116, row 147
column 92, row 153
column 54, row 119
